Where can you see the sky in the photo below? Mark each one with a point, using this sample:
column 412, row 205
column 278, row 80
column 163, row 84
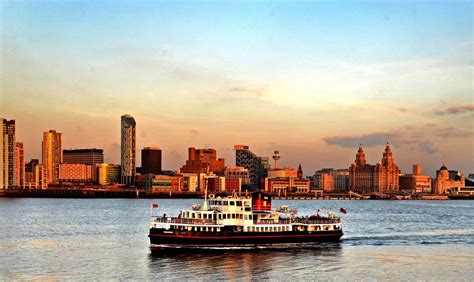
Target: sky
column 311, row 79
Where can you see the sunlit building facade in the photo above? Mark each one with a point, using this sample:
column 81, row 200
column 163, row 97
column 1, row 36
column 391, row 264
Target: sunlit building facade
column 52, row 154
column 415, row 182
column 381, row 178
column 75, row 172
column 203, row 161
column 7, row 158
column 19, row 165
column 127, row 150
column 108, row 174
column 83, row 156
column 446, row 180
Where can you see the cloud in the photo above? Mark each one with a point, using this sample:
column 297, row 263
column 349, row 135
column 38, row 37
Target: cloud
column 458, row 109
column 368, row 140
column 402, row 110
column 406, row 135
column 427, row 147
column 453, row 132
column 194, row 132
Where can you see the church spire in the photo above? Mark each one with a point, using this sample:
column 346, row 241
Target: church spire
column 300, row 172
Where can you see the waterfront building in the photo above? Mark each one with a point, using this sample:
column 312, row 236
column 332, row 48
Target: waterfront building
column 445, row 180
column 166, row 183
column 257, row 166
column 75, row 172
column 41, row 177
column 203, row 161
column 19, row 165
column 151, row 160
column 282, row 186
column 7, row 158
column 415, row 182
column 332, row 180
column 323, row 179
column 52, row 154
column 127, row 150
column 108, row 174
column 237, row 172
column 381, row 178
column 30, row 173
column 191, row 182
column 83, row 156
column 215, row 183
column 341, row 180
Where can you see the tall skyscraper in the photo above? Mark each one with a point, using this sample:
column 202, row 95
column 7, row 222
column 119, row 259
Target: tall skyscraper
column 127, row 152
column 52, row 154
column 8, row 140
column 257, row 166
column 151, row 160
column 83, row 156
column 19, row 165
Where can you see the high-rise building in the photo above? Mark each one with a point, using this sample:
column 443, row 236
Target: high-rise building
column 381, row 178
column 52, row 154
column 83, row 156
column 203, row 161
column 19, row 165
column 127, row 150
column 8, row 142
column 151, row 160
column 256, row 165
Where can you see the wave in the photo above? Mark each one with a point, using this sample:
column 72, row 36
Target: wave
column 421, row 234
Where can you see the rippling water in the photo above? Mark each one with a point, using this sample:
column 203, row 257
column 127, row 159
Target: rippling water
column 107, row 238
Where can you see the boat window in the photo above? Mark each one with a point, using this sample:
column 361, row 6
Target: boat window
column 239, row 203
column 240, row 216
column 225, row 203
column 231, row 203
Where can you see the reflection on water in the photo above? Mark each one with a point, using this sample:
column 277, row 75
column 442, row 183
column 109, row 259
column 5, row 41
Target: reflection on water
column 239, row 264
column 106, row 239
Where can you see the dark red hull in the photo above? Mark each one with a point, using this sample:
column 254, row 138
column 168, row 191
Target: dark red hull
column 190, row 239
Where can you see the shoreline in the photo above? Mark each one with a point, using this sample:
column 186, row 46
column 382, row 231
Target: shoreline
column 145, row 194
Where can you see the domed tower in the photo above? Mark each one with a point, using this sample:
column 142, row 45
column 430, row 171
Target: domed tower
column 443, row 172
column 387, row 155
column 360, row 157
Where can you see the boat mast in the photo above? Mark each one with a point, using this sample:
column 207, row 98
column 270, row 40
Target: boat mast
column 204, row 206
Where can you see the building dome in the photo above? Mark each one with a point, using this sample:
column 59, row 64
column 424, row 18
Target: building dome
column 443, row 167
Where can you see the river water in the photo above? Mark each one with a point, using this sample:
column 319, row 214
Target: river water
column 107, row 239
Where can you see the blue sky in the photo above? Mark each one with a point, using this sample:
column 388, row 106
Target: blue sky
column 316, row 71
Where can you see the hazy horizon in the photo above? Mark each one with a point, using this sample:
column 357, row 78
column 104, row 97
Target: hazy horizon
column 312, row 80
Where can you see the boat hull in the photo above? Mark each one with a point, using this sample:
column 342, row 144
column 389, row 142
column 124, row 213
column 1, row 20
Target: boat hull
column 243, row 240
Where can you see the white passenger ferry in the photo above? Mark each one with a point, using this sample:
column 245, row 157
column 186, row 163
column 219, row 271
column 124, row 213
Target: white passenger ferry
column 242, row 222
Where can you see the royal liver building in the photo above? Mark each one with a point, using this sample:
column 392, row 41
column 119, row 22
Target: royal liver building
column 381, row 178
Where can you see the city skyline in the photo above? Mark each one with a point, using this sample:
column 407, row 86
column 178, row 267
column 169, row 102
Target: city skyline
column 310, row 80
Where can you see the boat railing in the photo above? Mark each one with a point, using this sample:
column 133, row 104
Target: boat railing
column 296, row 220
column 199, row 221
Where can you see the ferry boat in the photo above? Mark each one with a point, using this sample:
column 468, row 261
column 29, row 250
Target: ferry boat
column 241, row 222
